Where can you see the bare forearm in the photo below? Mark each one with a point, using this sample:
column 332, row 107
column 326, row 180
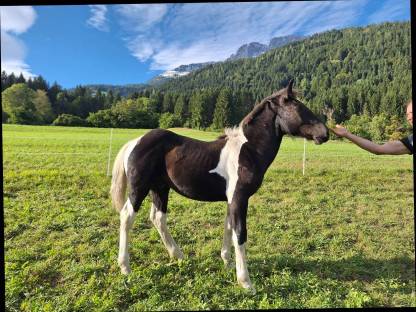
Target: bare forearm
column 364, row 143
column 396, row 147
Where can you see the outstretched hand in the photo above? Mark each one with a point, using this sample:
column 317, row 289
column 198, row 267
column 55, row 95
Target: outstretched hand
column 339, row 131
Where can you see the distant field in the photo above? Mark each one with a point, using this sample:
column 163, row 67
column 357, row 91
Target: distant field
column 342, row 235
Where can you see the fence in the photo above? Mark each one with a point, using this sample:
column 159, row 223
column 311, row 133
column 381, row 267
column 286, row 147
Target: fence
column 296, row 158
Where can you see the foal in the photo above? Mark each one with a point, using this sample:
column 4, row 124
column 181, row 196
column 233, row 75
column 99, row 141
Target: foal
column 229, row 169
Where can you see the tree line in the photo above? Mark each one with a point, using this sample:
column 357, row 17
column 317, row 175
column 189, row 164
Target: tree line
column 357, row 74
column 354, row 71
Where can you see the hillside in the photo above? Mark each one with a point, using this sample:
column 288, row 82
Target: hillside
column 354, row 70
column 123, row 90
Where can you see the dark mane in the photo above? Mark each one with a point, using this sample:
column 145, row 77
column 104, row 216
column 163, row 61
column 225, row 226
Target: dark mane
column 260, row 106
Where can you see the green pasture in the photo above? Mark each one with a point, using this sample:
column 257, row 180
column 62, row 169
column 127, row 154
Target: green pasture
column 342, row 235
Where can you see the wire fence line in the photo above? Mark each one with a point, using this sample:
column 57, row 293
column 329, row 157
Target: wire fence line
column 110, row 153
column 281, row 154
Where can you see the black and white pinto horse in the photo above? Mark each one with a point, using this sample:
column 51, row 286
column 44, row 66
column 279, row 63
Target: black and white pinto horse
column 229, row 169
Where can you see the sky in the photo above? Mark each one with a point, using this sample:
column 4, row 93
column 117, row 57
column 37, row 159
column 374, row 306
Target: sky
column 125, row 44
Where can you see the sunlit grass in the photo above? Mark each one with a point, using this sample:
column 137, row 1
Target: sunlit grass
column 342, row 235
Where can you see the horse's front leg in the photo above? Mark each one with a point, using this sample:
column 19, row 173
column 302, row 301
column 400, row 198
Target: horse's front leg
column 226, row 243
column 238, row 214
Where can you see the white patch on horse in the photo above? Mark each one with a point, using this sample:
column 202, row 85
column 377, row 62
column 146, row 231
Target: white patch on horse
column 241, row 264
column 158, row 218
column 228, row 164
column 127, row 216
column 128, row 151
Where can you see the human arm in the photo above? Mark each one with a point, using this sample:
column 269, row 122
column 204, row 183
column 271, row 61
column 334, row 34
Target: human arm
column 389, row 148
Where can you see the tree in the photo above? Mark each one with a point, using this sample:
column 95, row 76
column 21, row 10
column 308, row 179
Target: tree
column 52, row 95
column 197, row 110
column 359, row 125
column 168, row 103
column 3, row 80
column 44, row 113
column 378, row 126
column 103, row 119
column 4, row 116
column 168, row 120
column 21, row 79
column 180, row 108
column 69, row 120
column 394, row 130
column 222, row 113
column 18, row 103
column 109, row 101
column 62, row 103
column 40, row 83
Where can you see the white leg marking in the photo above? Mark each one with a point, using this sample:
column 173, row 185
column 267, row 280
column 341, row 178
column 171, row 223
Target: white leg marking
column 228, row 164
column 159, row 220
column 226, row 243
column 241, row 265
column 127, row 215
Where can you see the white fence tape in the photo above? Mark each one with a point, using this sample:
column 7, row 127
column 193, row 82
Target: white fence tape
column 313, row 155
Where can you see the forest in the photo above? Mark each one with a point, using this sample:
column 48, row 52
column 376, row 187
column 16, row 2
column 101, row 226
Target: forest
column 360, row 77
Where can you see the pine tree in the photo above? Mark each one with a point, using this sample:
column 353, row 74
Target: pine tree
column 222, row 113
column 180, row 107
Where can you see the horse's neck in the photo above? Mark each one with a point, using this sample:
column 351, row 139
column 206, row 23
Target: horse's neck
column 261, row 137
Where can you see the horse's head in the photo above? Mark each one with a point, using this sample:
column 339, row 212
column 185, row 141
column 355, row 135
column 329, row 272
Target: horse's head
column 294, row 118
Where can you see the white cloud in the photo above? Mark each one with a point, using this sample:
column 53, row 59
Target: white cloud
column 172, row 35
column 140, row 17
column 98, row 19
column 17, row 19
column 391, row 10
column 14, row 21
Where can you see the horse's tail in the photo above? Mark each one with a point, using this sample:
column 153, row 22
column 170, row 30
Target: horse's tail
column 119, row 180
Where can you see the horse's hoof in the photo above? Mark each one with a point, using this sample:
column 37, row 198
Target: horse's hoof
column 125, row 270
column 248, row 286
column 178, row 254
column 227, row 264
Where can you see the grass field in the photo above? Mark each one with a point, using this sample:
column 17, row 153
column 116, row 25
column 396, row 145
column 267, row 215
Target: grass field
column 342, row 235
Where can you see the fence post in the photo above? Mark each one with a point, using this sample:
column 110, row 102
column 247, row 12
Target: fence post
column 109, row 153
column 304, row 156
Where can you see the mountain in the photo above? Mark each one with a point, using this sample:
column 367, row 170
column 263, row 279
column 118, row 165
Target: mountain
column 177, row 72
column 252, row 49
column 353, row 70
column 281, row 41
column 248, row 50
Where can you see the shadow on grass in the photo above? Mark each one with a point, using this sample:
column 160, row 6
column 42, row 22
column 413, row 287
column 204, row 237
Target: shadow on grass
column 353, row 268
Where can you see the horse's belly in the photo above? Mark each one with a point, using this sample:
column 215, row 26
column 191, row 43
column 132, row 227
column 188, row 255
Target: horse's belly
column 203, row 187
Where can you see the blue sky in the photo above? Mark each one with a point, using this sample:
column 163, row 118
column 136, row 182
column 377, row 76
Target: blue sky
column 122, row 44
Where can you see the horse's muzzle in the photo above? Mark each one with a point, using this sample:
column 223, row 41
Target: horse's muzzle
column 320, row 139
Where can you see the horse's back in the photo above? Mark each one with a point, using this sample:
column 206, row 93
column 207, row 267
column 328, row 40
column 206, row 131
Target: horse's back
column 188, row 165
column 163, row 156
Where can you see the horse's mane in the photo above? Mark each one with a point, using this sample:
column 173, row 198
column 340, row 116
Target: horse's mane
column 230, row 132
column 260, row 106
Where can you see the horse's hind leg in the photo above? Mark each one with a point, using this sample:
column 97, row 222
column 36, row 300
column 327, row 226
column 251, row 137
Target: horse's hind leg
column 127, row 216
column 158, row 216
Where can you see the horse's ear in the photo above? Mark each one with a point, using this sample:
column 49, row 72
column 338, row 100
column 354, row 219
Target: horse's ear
column 289, row 88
